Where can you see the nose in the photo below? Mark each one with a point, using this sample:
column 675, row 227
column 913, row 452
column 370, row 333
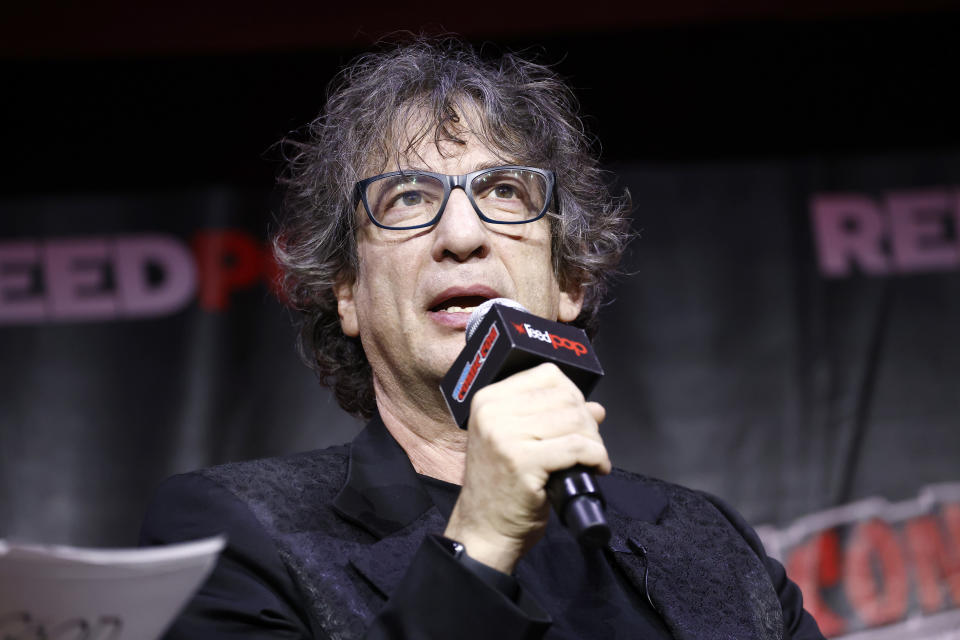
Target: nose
column 460, row 234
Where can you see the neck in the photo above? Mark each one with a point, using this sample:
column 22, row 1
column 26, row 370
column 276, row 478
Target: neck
column 427, row 433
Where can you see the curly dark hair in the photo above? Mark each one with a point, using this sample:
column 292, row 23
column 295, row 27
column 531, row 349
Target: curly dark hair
column 527, row 116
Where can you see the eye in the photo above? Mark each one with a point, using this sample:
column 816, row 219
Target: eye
column 410, row 198
column 505, row 191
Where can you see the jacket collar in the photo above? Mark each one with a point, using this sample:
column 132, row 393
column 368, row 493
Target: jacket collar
column 382, row 493
column 629, row 502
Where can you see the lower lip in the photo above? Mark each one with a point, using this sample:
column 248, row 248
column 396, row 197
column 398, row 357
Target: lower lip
column 452, row 320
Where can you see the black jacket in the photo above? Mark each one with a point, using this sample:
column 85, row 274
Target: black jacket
column 333, row 544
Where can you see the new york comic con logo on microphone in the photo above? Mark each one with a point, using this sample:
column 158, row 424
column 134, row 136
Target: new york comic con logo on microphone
column 472, row 368
column 558, row 342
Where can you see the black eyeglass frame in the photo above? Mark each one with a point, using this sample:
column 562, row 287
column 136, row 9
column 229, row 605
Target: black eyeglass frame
column 449, row 184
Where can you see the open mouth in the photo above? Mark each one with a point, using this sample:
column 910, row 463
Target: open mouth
column 459, row 304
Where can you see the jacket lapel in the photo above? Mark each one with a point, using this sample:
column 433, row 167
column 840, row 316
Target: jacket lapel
column 384, row 563
column 382, row 493
column 631, row 506
column 384, row 496
column 695, row 569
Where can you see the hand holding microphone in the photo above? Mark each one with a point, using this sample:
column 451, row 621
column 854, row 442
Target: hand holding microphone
column 532, row 433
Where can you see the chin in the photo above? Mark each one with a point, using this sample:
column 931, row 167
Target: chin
column 445, row 353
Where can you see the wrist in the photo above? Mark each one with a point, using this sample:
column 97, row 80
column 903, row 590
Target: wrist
column 502, row 582
column 491, row 550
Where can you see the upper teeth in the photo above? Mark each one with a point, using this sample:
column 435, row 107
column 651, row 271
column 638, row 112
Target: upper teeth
column 456, row 309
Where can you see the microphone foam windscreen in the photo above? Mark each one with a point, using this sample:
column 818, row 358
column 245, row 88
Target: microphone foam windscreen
column 481, row 311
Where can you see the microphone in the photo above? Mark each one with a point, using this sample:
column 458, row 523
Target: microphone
column 503, row 338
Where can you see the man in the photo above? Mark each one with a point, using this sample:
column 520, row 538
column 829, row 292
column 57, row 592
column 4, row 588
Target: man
column 432, row 181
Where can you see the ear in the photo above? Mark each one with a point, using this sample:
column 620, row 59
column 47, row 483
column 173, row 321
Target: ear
column 343, row 289
column 571, row 302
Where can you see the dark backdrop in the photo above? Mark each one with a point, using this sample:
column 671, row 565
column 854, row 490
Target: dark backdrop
column 735, row 363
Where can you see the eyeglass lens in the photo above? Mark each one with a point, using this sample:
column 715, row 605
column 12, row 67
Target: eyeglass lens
column 505, row 195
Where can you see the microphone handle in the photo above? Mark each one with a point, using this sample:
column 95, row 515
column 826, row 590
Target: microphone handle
column 576, row 498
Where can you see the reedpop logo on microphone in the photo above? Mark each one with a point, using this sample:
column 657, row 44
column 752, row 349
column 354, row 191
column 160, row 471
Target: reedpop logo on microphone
column 558, row 342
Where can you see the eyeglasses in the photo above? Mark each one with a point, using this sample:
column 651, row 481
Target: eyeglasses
column 414, row 199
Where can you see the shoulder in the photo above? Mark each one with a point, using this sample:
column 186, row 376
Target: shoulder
column 716, row 517
column 621, row 478
column 689, row 514
column 249, row 502
column 647, row 498
column 307, row 475
column 231, row 497
column 700, row 506
column 738, row 522
column 628, row 485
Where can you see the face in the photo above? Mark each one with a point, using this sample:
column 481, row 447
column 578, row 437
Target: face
column 414, row 289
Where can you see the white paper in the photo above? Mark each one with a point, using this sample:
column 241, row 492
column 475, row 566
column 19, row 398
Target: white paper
column 66, row 593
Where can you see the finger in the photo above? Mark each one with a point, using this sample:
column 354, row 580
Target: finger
column 527, row 421
column 547, row 407
column 597, row 411
column 543, row 376
column 566, row 451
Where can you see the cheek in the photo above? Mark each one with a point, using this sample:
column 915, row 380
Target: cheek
column 387, row 277
column 533, row 273
column 369, row 277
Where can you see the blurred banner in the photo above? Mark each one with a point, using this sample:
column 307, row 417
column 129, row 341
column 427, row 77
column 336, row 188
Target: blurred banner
column 785, row 338
column 877, row 570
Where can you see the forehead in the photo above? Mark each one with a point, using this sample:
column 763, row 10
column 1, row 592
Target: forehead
column 418, row 139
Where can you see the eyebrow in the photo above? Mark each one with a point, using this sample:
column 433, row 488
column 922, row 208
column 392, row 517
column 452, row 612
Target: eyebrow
column 483, row 165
